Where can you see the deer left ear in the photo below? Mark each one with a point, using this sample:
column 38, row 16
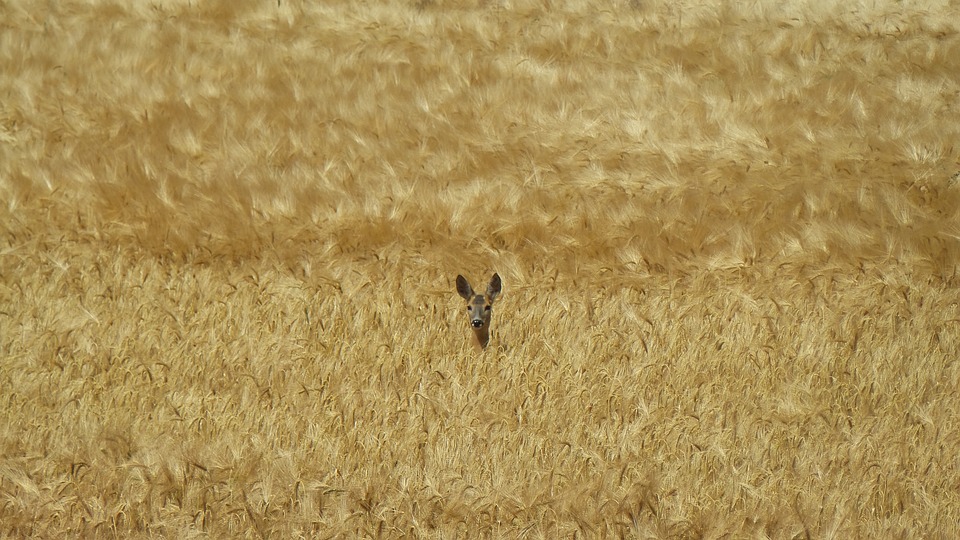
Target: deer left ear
column 493, row 290
column 464, row 288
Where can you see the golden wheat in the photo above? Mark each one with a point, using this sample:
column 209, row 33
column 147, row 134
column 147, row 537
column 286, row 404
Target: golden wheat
column 728, row 235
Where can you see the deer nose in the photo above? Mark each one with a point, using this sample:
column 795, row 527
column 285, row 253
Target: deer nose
column 477, row 323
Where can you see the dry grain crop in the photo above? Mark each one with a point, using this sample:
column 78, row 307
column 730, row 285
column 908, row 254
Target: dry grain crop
column 728, row 235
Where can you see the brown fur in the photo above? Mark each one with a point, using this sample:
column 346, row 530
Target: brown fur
column 730, row 233
column 479, row 307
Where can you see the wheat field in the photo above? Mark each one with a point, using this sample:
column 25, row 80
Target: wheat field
column 729, row 237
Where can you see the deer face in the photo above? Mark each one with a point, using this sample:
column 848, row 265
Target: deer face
column 479, row 310
column 479, row 305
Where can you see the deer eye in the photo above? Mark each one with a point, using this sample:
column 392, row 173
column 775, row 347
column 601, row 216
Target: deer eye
column 468, row 309
column 486, row 308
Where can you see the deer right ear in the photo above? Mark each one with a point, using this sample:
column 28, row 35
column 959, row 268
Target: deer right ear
column 493, row 290
column 464, row 288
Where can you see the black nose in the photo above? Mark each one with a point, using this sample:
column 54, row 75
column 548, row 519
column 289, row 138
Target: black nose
column 477, row 323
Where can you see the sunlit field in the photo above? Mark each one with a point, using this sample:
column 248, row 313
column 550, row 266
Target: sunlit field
column 728, row 236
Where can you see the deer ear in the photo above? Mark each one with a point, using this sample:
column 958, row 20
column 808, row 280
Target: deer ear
column 464, row 288
column 493, row 290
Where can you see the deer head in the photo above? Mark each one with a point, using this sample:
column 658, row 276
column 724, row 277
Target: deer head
column 479, row 306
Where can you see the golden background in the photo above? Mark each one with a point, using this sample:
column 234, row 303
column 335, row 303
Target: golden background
column 728, row 234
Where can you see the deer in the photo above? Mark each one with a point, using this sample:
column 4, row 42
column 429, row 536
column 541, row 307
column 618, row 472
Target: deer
column 479, row 306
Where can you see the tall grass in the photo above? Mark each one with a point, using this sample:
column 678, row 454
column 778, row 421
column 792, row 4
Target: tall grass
column 728, row 238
